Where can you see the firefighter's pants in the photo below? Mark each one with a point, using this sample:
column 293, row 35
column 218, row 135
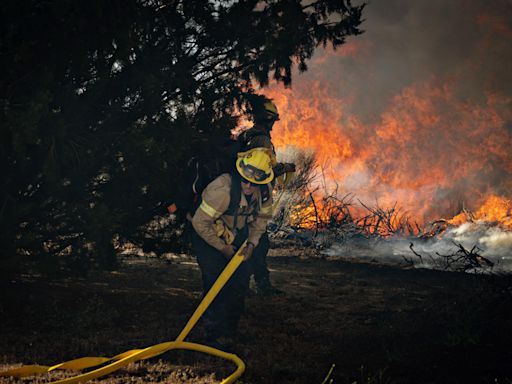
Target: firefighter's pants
column 258, row 262
column 222, row 316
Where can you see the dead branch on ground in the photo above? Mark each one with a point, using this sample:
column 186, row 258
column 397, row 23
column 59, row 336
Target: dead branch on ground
column 464, row 260
column 411, row 262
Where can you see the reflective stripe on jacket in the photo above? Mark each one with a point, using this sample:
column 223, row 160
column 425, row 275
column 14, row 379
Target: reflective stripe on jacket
column 215, row 202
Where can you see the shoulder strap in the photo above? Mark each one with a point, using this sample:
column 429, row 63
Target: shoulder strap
column 234, row 194
column 234, row 199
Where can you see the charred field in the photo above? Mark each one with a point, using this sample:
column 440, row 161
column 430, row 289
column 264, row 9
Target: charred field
column 376, row 323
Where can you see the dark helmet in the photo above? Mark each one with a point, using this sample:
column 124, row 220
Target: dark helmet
column 266, row 113
column 270, row 111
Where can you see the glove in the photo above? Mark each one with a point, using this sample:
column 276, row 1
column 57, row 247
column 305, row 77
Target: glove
column 228, row 251
column 282, row 168
column 279, row 169
column 289, row 167
column 247, row 251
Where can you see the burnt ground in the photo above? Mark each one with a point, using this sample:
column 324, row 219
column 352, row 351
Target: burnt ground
column 376, row 323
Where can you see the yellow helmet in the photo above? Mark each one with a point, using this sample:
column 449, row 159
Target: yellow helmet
column 255, row 166
column 271, row 112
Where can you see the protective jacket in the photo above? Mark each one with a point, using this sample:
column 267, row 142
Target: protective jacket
column 254, row 214
column 257, row 137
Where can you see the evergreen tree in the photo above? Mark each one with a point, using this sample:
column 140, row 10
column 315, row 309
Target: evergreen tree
column 103, row 102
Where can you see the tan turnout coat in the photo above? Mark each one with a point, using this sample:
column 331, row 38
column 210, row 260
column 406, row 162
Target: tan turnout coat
column 215, row 202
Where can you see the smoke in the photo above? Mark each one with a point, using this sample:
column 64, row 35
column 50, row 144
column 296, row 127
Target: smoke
column 420, row 106
column 492, row 243
column 410, row 42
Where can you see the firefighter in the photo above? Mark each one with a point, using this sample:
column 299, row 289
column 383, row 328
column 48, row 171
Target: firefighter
column 220, row 227
column 265, row 115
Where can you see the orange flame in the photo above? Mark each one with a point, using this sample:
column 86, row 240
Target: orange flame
column 310, row 123
column 433, row 145
column 495, row 209
column 427, row 144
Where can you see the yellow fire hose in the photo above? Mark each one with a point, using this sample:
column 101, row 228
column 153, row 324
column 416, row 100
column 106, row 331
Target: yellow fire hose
column 133, row 355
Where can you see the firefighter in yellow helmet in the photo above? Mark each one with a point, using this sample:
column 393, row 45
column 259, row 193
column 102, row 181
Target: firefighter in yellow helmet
column 235, row 206
column 265, row 115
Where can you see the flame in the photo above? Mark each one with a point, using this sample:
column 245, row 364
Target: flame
column 495, row 209
column 428, row 151
column 310, row 123
column 425, row 126
column 459, row 219
column 303, row 217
